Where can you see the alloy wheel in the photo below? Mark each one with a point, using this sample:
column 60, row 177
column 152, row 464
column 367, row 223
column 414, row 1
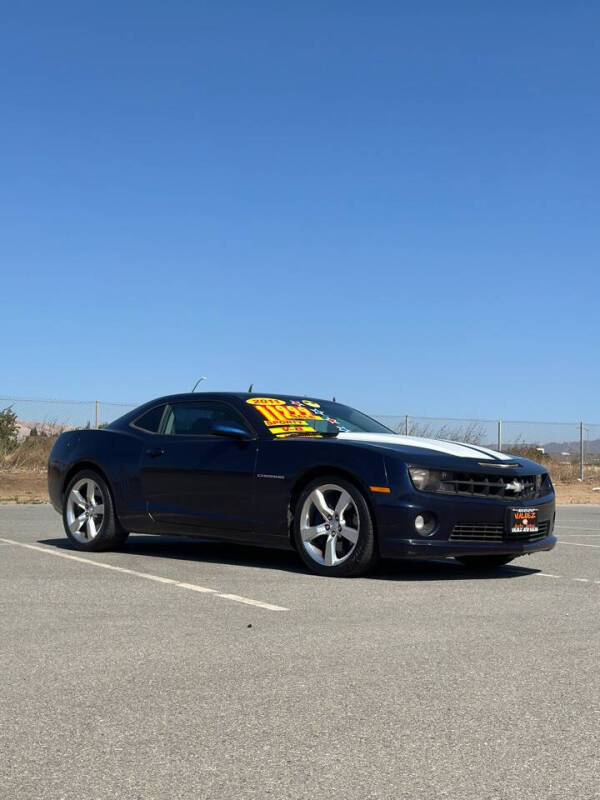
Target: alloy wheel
column 329, row 525
column 85, row 510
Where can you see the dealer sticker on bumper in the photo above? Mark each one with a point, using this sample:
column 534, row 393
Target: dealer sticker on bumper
column 523, row 520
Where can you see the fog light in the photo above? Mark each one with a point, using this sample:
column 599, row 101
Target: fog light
column 425, row 524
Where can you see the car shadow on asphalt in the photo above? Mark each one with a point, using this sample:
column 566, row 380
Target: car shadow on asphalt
column 446, row 569
column 180, row 548
column 213, row 551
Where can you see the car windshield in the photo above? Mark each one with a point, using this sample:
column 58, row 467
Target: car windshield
column 285, row 417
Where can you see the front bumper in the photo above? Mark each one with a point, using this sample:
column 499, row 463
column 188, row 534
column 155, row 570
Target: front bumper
column 398, row 539
column 421, row 548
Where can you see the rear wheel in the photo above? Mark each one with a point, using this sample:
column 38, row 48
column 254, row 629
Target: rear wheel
column 88, row 514
column 333, row 528
column 484, row 562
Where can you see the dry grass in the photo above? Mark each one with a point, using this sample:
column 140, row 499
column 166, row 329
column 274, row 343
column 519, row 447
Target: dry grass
column 23, row 471
column 470, row 433
column 32, row 454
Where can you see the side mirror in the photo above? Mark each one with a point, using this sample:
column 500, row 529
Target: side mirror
column 229, row 429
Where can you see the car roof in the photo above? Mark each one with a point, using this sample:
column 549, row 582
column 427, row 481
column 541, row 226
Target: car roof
column 171, row 398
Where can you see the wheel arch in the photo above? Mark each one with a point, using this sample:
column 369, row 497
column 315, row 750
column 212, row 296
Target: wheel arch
column 321, row 471
column 82, row 465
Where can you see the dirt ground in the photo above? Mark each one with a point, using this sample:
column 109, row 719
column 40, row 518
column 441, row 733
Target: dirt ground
column 29, row 486
column 23, row 486
column 576, row 493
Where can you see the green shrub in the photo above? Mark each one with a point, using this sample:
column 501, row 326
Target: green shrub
column 9, row 430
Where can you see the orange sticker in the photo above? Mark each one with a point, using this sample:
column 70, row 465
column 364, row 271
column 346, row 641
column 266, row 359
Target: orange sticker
column 292, row 429
column 265, row 401
column 276, row 415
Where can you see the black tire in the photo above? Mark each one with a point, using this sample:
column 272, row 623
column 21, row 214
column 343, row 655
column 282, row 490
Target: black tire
column 110, row 534
column 363, row 556
column 484, row 562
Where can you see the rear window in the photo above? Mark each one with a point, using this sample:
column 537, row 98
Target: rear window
column 197, row 418
column 150, row 420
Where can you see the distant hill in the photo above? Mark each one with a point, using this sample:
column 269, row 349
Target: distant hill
column 24, row 428
column 592, row 446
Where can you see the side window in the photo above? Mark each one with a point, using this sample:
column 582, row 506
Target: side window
column 196, row 418
column 150, row 420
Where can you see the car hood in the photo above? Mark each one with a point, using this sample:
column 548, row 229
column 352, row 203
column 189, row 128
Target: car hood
column 408, row 444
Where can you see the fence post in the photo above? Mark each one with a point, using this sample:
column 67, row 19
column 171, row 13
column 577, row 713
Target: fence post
column 581, row 453
column 499, row 435
column 406, row 424
column 97, row 415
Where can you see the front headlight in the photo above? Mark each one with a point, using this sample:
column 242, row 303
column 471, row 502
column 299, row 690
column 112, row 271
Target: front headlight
column 425, row 480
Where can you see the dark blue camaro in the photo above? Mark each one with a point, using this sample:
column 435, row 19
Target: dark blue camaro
column 294, row 472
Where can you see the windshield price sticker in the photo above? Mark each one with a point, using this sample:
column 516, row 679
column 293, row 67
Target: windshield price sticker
column 287, row 429
column 283, row 419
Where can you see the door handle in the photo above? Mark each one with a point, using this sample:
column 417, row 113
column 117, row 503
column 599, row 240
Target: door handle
column 154, row 452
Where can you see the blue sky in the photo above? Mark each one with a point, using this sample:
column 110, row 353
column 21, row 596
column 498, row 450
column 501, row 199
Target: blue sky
column 393, row 203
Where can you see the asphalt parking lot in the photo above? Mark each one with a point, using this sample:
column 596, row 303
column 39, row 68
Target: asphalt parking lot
column 187, row 669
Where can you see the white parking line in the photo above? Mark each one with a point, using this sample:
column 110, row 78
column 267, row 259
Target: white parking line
column 563, row 577
column 578, row 544
column 577, row 580
column 575, row 528
column 157, row 578
column 249, row 602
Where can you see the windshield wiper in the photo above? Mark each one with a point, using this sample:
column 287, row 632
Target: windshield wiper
column 327, row 434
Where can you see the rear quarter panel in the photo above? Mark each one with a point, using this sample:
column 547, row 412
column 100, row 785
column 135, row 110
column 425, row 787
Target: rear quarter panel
column 116, row 454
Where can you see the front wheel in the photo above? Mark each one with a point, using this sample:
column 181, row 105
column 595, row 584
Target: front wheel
column 333, row 528
column 484, row 562
column 89, row 514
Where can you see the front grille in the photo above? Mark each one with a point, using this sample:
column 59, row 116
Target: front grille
column 494, row 532
column 476, row 484
column 478, row 531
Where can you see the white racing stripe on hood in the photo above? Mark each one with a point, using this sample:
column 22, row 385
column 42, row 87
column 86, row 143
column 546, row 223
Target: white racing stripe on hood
column 439, row 445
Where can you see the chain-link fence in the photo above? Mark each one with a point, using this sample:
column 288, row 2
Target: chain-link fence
column 568, row 443
column 53, row 416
